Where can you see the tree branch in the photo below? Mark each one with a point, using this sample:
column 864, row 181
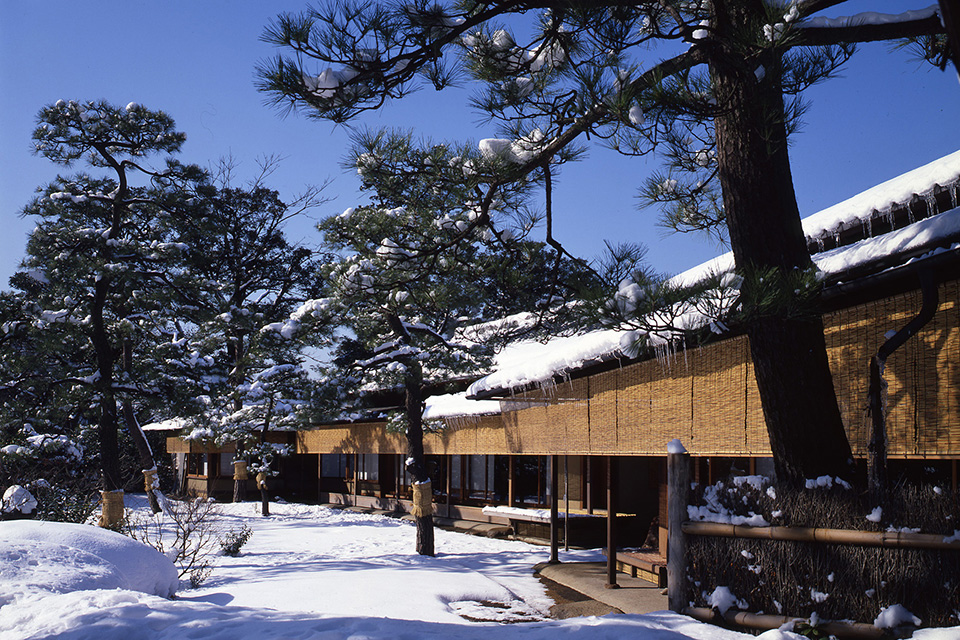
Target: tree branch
column 849, row 31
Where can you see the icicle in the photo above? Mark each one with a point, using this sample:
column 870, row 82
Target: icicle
column 887, row 214
column 953, row 197
column 931, row 201
column 868, row 225
column 819, row 241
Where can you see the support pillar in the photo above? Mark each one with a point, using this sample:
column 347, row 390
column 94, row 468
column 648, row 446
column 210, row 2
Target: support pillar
column 554, row 511
column 678, row 497
column 611, row 524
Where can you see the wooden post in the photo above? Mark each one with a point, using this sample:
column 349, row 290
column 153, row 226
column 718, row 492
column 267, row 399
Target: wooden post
column 449, row 483
column 511, row 472
column 678, row 497
column 611, row 524
column 566, row 503
column 554, row 511
column 588, row 483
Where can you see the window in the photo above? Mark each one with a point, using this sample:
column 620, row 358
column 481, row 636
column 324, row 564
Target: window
column 197, row 464
column 369, row 467
column 226, row 465
column 333, row 465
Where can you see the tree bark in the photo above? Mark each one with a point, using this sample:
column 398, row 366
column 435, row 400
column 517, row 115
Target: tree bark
column 107, row 428
column 264, row 498
column 415, row 457
column 803, row 420
column 234, row 355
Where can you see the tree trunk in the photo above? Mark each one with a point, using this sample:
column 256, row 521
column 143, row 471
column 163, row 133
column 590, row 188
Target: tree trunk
column 415, row 459
column 234, row 355
column 264, row 496
column 803, row 420
column 107, row 428
column 239, row 477
column 144, row 452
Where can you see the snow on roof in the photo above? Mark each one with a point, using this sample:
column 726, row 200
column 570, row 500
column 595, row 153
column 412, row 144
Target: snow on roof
column 881, row 198
column 853, row 211
column 457, row 405
column 527, row 363
column 918, row 236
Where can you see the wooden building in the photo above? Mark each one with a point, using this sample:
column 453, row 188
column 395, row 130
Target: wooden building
column 578, row 410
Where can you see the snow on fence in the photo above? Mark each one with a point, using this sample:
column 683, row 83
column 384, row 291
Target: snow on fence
column 724, row 610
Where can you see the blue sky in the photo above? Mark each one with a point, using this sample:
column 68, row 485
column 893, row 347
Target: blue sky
column 195, row 60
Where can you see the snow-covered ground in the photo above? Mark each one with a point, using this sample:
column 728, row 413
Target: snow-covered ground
column 307, row 572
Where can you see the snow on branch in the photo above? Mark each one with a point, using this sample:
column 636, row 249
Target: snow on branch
column 870, row 26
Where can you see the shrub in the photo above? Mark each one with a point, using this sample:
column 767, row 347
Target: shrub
column 234, row 539
column 829, row 581
column 187, row 532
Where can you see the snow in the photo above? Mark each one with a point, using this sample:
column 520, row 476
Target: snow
column 456, row 405
column 910, row 239
column 826, row 482
column 868, row 18
column 530, row 361
column 307, row 572
column 723, row 599
column 16, row 498
column 516, row 151
column 533, row 515
column 894, row 616
column 172, row 424
column 675, row 446
column 854, row 211
column 39, row 558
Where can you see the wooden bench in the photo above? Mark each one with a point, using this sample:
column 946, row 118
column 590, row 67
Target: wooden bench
column 646, row 565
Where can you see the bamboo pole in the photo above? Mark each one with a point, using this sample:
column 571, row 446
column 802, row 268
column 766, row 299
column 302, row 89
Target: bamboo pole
column 839, row 628
column 889, row 539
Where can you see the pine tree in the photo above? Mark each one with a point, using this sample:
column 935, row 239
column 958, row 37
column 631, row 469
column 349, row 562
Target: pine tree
column 248, row 275
column 102, row 266
column 719, row 112
column 413, row 281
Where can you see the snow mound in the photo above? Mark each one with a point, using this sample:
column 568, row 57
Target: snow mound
column 894, row 616
column 57, row 557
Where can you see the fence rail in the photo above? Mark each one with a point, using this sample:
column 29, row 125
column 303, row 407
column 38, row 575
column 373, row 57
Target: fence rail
column 889, row 539
column 679, row 478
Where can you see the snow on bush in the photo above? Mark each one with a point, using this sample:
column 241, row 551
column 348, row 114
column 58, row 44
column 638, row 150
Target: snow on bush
column 894, row 616
column 722, row 599
column 18, row 499
column 39, row 557
column 715, row 509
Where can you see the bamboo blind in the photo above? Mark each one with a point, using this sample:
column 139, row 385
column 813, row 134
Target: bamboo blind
column 708, row 398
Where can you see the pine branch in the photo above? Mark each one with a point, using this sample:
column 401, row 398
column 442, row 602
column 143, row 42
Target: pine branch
column 852, row 32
